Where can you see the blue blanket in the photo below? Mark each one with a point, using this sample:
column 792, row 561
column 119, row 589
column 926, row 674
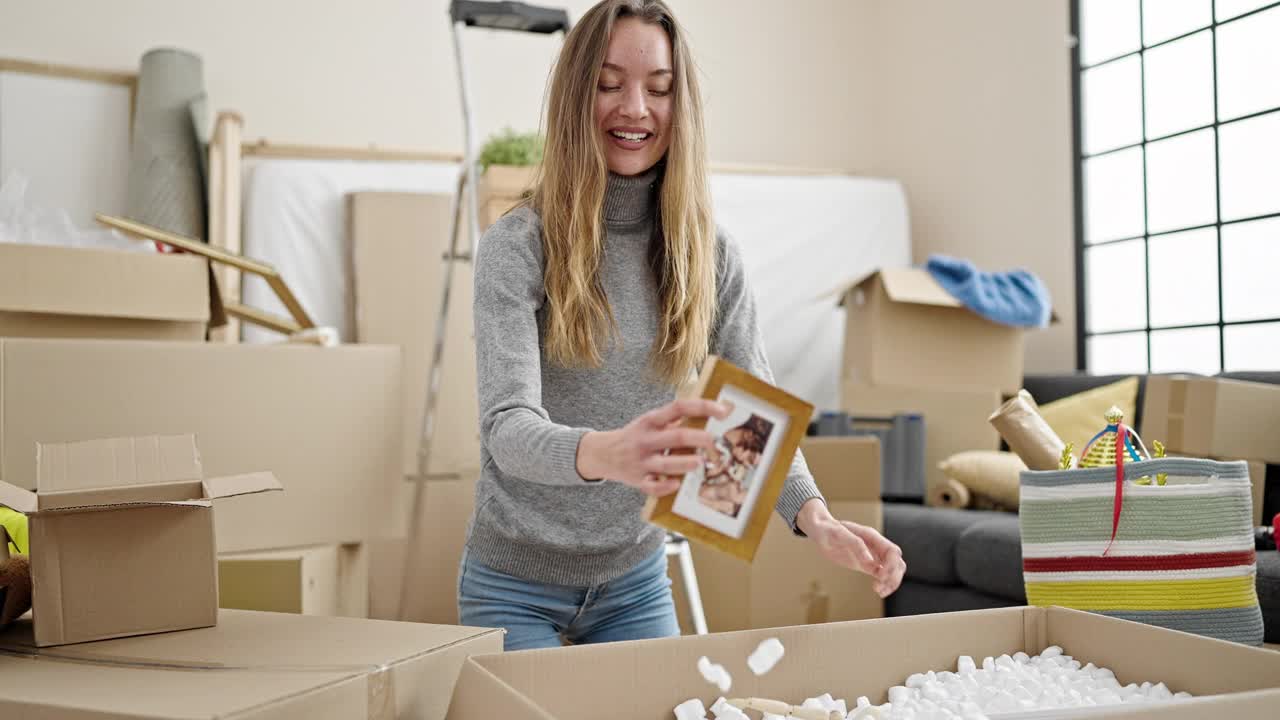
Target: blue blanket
column 1015, row 298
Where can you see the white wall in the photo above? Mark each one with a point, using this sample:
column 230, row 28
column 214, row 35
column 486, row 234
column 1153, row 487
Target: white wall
column 967, row 103
column 973, row 115
column 382, row 72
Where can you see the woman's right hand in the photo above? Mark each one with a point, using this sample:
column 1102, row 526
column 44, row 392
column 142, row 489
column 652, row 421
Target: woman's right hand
column 637, row 454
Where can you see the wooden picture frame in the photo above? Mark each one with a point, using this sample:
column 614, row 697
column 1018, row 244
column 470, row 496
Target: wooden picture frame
column 729, row 509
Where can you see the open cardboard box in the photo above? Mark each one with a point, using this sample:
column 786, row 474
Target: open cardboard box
column 251, row 666
column 98, row 293
column 903, row 328
column 121, row 536
column 647, row 679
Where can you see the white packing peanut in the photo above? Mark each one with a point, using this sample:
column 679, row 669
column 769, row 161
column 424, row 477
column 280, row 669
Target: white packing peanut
column 729, row 712
column 766, row 655
column 691, row 710
column 715, row 674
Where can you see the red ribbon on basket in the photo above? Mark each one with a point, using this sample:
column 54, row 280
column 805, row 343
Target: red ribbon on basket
column 1121, row 440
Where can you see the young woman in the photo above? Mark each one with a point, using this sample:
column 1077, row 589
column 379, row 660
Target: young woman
column 593, row 303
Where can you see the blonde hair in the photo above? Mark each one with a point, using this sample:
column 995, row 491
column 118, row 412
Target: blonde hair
column 568, row 195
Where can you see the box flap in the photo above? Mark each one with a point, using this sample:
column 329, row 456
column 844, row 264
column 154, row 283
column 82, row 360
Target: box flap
column 910, row 285
column 185, row 492
column 247, row 484
column 103, row 283
column 917, row 287
column 838, row 292
column 16, row 498
column 118, row 462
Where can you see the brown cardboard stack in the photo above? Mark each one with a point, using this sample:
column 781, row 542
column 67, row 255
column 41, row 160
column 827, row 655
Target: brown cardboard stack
column 259, row 666
column 399, row 241
column 315, row 580
column 325, row 420
column 1216, row 418
column 92, row 293
column 912, row 347
column 648, row 679
column 790, row 583
column 122, row 537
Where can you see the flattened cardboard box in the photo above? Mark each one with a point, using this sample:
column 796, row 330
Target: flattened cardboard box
column 1213, row 417
column 789, row 583
column 903, row 328
column 252, row 665
column 955, row 419
column 647, row 679
column 432, row 595
column 399, row 240
column 325, row 421
column 98, row 293
column 121, row 535
column 331, row 580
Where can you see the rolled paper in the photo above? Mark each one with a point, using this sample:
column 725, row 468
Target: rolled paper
column 1027, row 433
column 949, row 493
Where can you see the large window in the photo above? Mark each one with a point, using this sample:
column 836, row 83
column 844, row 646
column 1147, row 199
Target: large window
column 1177, row 107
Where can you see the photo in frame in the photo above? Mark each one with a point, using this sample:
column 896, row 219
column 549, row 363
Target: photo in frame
column 727, row 500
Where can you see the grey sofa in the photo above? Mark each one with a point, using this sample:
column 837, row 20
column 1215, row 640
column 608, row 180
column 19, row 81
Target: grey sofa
column 972, row 559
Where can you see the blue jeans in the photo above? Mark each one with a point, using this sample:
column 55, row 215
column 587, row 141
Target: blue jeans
column 635, row 606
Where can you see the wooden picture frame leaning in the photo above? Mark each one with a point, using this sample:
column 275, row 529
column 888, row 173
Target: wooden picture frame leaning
column 726, row 503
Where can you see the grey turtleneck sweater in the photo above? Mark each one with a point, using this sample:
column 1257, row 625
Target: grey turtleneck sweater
column 535, row 516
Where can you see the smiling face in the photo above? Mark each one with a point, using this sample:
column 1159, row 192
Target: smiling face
column 634, row 97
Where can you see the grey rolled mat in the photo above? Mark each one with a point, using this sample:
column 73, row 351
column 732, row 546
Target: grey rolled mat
column 166, row 189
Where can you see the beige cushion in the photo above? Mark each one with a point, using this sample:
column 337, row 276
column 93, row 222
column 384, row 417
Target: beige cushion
column 1079, row 417
column 992, row 474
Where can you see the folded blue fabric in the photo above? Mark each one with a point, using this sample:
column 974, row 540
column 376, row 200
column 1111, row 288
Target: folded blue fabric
column 1016, row 297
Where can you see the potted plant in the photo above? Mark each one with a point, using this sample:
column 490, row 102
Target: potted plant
column 506, row 160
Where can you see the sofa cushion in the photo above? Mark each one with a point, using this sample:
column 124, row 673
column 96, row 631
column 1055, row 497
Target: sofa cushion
column 928, row 537
column 1268, row 583
column 989, row 558
column 1046, row 388
column 918, row 598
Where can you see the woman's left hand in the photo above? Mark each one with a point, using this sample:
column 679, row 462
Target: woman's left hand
column 853, row 546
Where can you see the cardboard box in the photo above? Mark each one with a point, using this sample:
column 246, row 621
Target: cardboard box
column 903, row 328
column 790, row 583
column 121, row 536
column 432, row 595
column 326, row 421
column 955, row 420
column 328, row 580
column 90, row 293
column 1213, row 417
column 648, row 679
column 251, row 666
column 399, row 241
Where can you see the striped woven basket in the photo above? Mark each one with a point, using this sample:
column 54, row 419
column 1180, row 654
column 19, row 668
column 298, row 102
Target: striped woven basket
column 1180, row 556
